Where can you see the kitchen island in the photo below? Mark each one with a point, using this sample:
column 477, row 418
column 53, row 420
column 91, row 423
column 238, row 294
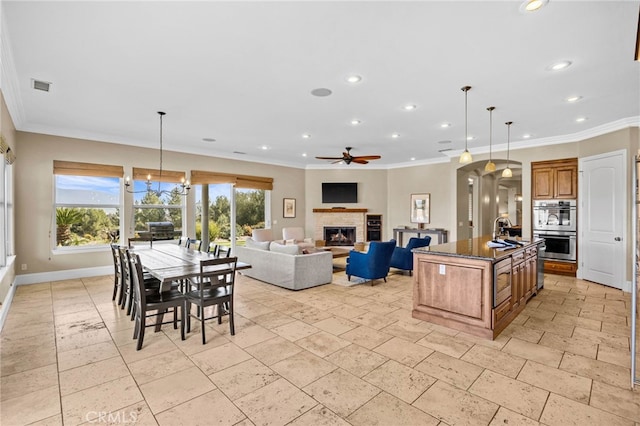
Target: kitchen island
column 467, row 286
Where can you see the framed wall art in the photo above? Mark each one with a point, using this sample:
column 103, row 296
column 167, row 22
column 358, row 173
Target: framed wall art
column 420, row 204
column 289, row 207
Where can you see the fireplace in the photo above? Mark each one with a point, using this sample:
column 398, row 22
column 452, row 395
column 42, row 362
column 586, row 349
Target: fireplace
column 339, row 235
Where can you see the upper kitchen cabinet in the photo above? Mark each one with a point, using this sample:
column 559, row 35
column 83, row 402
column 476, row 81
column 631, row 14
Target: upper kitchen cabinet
column 556, row 179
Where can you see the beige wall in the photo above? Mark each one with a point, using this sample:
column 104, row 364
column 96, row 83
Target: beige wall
column 8, row 130
column 34, row 198
column 372, row 191
column 385, row 192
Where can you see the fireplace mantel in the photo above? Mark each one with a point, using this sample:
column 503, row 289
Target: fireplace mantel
column 340, row 210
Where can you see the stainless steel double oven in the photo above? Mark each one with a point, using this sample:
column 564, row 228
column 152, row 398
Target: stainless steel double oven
column 555, row 221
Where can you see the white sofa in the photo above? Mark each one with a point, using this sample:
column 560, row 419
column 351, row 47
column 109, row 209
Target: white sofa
column 276, row 264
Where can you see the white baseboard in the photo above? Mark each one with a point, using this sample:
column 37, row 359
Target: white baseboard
column 67, row 274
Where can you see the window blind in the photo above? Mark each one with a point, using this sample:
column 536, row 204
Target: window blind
column 199, row 177
column 86, row 169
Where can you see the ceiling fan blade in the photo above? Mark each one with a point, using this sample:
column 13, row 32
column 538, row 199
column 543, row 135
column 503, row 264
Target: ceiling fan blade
column 329, row 158
column 359, row 160
column 368, row 157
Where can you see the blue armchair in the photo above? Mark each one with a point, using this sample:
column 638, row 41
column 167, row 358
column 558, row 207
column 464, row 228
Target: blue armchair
column 373, row 264
column 402, row 257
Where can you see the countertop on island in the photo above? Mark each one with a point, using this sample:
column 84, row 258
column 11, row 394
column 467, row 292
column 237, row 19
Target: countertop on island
column 474, row 248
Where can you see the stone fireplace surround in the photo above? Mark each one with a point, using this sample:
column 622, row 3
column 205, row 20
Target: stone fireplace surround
column 338, row 218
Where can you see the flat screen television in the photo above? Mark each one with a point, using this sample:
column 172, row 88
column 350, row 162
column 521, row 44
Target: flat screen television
column 339, row 192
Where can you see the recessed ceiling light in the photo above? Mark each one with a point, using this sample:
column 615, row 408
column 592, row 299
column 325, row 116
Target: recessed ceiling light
column 321, row 92
column 573, row 98
column 410, row 107
column 355, row 122
column 532, row 5
column 306, row 136
column 445, row 125
column 354, row 79
column 413, row 158
column 304, row 154
column 559, row 65
column 208, row 139
column 470, row 138
column 581, row 119
column 264, row 147
column 526, row 136
column 395, row 135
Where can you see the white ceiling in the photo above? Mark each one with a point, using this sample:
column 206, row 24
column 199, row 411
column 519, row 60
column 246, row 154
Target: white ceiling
column 242, row 72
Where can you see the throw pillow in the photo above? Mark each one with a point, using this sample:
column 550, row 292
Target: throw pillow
column 279, row 248
column 260, row 245
column 290, row 242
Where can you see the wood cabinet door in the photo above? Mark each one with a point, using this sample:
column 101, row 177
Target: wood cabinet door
column 566, row 182
column 543, row 186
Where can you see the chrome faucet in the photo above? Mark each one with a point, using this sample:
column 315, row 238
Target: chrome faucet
column 495, row 222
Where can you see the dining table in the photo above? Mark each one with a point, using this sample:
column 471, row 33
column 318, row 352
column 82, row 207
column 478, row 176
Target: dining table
column 171, row 262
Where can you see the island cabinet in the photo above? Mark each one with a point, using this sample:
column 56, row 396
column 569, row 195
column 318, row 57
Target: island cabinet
column 470, row 287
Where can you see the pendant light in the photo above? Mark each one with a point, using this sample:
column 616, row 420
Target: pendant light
column 466, row 155
column 181, row 189
column 507, row 172
column 490, row 166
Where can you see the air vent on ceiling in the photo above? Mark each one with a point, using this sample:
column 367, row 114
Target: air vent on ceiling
column 240, row 152
column 445, row 150
column 41, row 85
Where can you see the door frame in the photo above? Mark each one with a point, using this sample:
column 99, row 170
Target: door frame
column 626, row 284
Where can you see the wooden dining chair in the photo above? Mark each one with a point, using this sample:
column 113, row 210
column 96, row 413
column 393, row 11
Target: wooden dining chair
column 212, row 287
column 117, row 275
column 151, row 284
column 213, row 249
column 142, row 241
column 159, row 303
column 224, row 251
column 194, row 244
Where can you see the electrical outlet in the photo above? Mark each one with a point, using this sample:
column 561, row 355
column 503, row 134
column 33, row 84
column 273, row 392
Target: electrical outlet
column 23, row 267
column 442, row 270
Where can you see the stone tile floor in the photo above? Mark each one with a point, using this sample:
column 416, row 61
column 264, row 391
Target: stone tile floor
column 331, row 355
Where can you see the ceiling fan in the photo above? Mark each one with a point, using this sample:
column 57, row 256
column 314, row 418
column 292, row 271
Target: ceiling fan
column 347, row 158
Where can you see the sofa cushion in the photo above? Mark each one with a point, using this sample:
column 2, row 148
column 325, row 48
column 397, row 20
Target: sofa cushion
column 279, row 248
column 261, row 245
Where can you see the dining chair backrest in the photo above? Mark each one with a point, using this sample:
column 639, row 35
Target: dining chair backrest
column 217, row 272
column 117, row 276
column 213, row 249
column 136, row 275
column 224, row 251
column 183, row 241
column 194, row 244
column 141, row 241
column 127, row 286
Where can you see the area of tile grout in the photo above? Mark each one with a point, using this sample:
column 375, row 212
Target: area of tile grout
column 337, row 354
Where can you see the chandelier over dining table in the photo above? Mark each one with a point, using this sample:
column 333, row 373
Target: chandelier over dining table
column 181, row 189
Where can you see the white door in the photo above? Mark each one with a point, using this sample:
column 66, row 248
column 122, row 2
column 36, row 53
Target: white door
column 601, row 252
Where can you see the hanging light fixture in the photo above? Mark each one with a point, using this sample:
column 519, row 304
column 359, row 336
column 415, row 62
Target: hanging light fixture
column 507, row 172
column 466, row 155
column 490, row 166
column 182, row 189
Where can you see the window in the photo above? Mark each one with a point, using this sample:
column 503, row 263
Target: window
column 159, row 202
column 86, row 204
column 6, row 201
column 233, row 204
